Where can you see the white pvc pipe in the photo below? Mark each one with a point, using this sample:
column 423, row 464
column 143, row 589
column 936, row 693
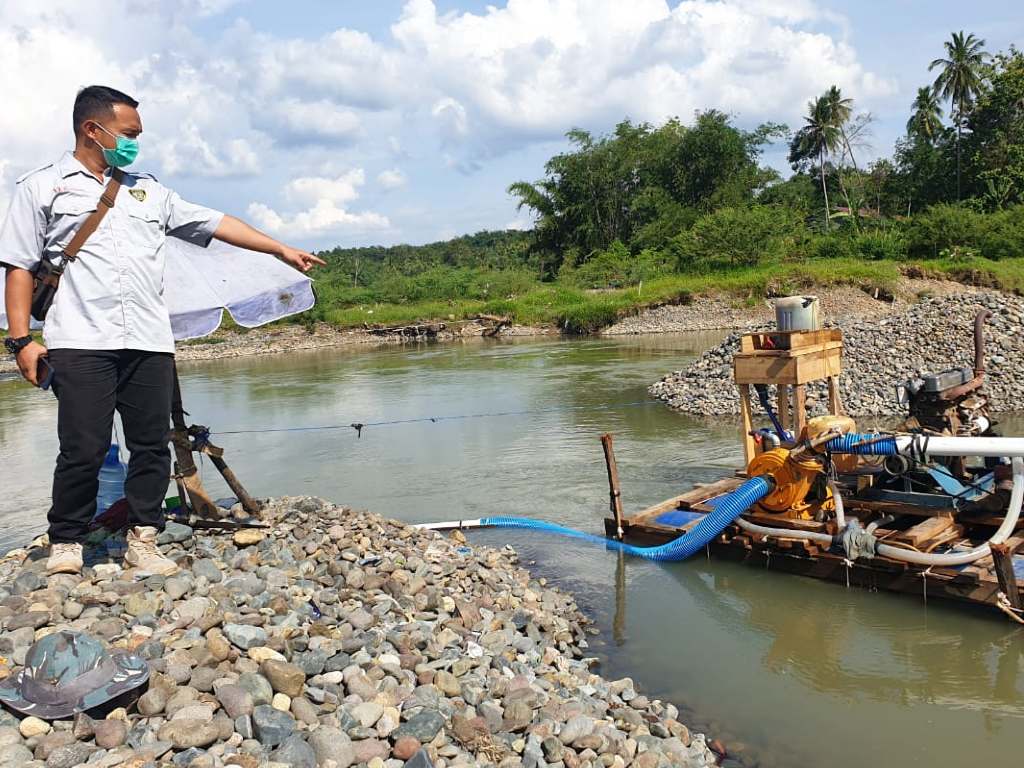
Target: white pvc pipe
column 450, row 524
column 787, row 533
column 1001, row 535
column 1010, row 447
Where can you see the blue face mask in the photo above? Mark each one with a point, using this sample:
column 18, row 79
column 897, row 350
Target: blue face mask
column 124, row 152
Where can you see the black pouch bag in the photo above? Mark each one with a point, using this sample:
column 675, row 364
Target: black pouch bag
column 45, row 281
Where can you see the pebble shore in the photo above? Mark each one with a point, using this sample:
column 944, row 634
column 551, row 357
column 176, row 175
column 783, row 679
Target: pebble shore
column 332, row 638
column 878, row 354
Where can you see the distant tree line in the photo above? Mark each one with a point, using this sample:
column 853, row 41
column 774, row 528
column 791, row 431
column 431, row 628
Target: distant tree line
column 675, row 196
column 652, row 201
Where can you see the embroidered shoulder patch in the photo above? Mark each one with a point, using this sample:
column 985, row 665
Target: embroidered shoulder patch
column 138, row 194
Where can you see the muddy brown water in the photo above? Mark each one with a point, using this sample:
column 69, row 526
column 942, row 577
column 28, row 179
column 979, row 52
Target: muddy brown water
column 787, row 671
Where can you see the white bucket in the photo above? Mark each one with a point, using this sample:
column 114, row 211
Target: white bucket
column 798, row 313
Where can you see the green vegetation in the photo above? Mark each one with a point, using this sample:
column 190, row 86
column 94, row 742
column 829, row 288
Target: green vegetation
column 655, row 214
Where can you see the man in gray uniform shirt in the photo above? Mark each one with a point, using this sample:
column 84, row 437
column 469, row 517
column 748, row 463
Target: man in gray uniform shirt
column 108, row 333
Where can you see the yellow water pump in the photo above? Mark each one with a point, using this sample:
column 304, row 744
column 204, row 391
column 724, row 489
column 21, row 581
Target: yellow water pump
column 794, row 478
column 797, row 472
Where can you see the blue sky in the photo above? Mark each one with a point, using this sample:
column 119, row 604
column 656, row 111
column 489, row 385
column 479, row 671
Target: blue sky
column 356, row 123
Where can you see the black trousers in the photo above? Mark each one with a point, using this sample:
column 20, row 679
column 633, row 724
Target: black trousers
column 89, row 385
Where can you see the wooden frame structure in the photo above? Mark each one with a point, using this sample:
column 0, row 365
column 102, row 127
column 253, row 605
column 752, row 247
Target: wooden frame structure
column 789, row 361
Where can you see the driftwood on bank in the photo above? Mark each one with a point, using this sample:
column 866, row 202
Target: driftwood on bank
column 491, row 325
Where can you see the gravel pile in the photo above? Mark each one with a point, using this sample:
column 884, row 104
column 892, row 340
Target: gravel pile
column 839, row 302
column 880, row 353
column 335, row 638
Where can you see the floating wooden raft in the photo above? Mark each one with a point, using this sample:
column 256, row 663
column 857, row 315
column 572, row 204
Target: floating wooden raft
column 976, row 583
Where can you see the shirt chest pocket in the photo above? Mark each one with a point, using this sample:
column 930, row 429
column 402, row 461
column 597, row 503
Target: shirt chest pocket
column 67, row 215
column 143, row 224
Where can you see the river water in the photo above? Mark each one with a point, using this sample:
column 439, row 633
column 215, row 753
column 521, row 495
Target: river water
column 787, row 671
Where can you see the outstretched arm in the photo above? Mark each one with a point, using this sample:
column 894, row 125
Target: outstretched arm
column 236, row 232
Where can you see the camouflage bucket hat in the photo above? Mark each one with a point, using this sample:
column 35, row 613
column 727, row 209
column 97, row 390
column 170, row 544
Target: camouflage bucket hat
column 69, row 672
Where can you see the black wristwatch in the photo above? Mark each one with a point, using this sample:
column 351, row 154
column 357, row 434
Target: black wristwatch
column 14, row 346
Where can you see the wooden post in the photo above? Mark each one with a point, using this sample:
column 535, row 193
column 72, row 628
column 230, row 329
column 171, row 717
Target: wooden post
column 190, row 487
column 835, row 403
column 615, row 494
column 1002, row 559
column 799, row 409
column 749, row 446
column 782, row 406
column 184, row 466
column 249, row 504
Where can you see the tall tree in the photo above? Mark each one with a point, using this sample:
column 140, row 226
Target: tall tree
column 959, row 81
column 841, row 110
column 817, row 139
column 850, row 129
column 642, row 184
column 926, row 119
column 994, row 145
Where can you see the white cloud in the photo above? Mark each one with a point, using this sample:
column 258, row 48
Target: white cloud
column 189, row 154
column 325, row 212
column 41, row 70
column 529, row 71
column 391, row 178
column 451, row 90
column 523, row 221
column 311, row 189
column 309, row 121
column 451, row 115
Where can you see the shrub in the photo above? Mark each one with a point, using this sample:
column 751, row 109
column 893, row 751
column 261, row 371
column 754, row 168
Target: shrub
column 616, row 267
column 737, row 237
column 833, row 246
column 880, row 244
column 1004, row 236
column 605, row 269
column 589, row 316
column 946, row 226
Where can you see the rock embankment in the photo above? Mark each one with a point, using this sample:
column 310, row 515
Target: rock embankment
column 333, row 638
column 841, row 302
column 880, row 353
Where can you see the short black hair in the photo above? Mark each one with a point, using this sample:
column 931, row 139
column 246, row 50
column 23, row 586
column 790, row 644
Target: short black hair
column 97, row 101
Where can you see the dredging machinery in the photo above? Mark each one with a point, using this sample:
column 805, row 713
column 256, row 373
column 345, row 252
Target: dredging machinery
column 932, row 507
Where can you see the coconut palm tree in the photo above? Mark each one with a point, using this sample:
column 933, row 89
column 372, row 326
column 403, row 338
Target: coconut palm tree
column 841, row 110
column 959, row 80
column 818, row 138
column 926, row 119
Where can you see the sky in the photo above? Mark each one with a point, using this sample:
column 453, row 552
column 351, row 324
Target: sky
column 346, row 122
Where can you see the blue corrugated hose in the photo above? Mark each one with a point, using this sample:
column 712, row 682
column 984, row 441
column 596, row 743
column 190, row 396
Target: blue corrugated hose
column 726, row 509
column 884, row 445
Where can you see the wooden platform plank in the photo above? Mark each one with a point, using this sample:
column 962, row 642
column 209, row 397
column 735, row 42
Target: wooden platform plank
column 896, row 508
column 686, row 500
column 931, row 528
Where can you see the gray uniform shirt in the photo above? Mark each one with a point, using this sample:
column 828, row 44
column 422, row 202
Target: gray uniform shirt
column 111, row 296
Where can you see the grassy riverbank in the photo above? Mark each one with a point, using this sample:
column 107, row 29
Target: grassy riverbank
column 581, row 310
